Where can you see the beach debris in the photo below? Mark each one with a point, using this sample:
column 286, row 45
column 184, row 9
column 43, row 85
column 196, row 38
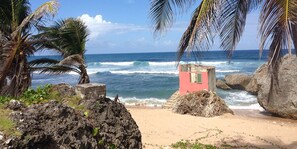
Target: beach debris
column 201, row 103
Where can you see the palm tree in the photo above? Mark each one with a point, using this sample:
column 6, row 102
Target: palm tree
column 278, row 20
column 16, row 23
column 67, row 37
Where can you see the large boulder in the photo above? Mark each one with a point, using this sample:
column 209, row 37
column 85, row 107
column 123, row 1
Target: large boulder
column 281, row 99
column 201, row 103
column 238, row 81
column 222, row 85
column 259, row 81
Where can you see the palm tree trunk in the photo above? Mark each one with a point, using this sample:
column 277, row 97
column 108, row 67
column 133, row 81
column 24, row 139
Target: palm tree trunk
column 84, row 77
column 18, row 78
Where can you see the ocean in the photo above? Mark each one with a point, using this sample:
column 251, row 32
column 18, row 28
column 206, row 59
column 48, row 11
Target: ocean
column 152, row 78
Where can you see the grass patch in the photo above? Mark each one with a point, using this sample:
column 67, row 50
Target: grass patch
column 7, row 126
column 74, row 102
column 188, row 145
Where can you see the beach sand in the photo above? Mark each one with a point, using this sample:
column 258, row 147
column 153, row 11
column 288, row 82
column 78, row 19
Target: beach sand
column 246, row 129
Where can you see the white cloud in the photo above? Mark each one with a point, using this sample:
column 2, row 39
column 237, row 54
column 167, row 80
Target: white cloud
column 98, row 26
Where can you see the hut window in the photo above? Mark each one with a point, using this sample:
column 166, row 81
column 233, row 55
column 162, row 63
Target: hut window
column 199, row 78
column 196, row 78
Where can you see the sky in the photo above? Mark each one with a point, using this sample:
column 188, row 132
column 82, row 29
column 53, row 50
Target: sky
column 124, row 26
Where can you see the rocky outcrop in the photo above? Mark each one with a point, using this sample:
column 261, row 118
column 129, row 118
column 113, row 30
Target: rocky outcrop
column 52, row 125
column 222, row 85
column 115, row 124
column 201, row 103
column 64, row 89
column 237, row 81
column 90, row 90
column 97, row 123
column 281, row 99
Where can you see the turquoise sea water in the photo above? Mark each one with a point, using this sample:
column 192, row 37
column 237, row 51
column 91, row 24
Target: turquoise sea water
column 153, row 77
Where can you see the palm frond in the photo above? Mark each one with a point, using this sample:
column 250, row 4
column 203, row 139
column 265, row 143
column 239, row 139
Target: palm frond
column 202, row 29
column 46, row 9
column 232, row 22
column 43, row 62
column 275, row 20
column 57, row 69
column 68, row 37
column 162, row 12
column 75, row 60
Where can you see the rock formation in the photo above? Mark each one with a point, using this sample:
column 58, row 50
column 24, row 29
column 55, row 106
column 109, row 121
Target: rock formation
column 201, row 103
column 99, row 123
column 282, row 98
column 222, row 85
column 64, row 89
column 237, row 81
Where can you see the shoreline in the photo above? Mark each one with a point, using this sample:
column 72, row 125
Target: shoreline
column 161, row 127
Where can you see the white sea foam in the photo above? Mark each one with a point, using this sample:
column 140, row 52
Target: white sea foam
column 143, row 72
column 151, row 102
column 117, row 63
column 219, row 70
column 250, row 107
column 162, row 63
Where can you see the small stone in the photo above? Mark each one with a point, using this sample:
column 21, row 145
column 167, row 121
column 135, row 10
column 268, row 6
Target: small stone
column 8, row 141
column 15, row 105
column 1, row 135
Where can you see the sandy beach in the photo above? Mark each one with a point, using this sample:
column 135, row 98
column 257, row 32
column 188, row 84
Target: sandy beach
column 245, row 129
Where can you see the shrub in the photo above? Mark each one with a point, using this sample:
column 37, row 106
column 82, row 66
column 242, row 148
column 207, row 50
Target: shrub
column 4, row 99
column 41, row 94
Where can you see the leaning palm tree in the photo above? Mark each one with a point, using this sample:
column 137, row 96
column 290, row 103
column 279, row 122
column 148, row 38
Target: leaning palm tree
column 67, row 37
column 278, row 20
column 16, row 23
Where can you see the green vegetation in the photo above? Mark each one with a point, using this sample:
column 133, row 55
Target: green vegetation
column 74, row 102
column 188, row 145
column 4, row 99
column 41, row 94
column 95, row 131
column 7, row 126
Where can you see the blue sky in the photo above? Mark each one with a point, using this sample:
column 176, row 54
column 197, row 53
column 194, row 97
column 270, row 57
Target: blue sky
column 123, row 26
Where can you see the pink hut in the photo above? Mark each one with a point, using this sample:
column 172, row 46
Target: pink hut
column 194, row 77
